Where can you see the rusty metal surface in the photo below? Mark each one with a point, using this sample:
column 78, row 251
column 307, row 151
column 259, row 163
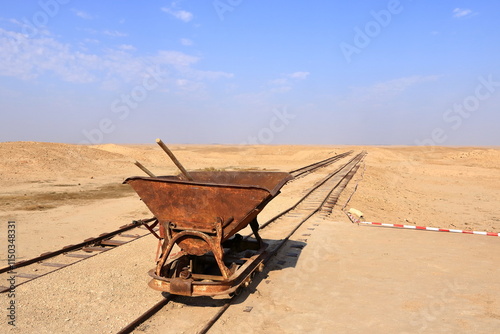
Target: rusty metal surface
column 196, row 243
column 180, row 286
column 240, row 277
column 199, row 216
column 196, row 205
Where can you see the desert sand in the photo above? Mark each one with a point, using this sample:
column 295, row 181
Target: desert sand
column 370, row 279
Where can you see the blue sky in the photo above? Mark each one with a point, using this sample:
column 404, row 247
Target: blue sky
column 263, row 72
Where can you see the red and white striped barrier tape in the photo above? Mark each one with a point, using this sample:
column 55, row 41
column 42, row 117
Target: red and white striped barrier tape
column 354, row 220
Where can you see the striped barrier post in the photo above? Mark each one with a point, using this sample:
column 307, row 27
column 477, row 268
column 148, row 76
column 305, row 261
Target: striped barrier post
column 413, row 227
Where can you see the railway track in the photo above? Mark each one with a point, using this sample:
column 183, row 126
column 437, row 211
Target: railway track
column 28, row 270
column 320, row 199
column 303, row 171
column 47, row 263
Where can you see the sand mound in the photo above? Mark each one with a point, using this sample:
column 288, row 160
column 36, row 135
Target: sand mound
column 489, row 158
column 34, row 160
column 150, row 154
column 128, row 151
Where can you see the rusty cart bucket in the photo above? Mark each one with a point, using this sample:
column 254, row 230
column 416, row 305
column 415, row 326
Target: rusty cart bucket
column 200, row 217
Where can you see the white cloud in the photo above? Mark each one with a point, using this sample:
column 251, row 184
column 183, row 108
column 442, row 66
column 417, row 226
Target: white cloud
column 385, row 91
column 401, row 84
column 281, row 89
column 114, row 33
column 182, row 15
column 127, row 47
column 189, row 85
column 28, row 58
column 279, row 82
column 285, row 82
column 462, row 12
column 111, row 33
column 175, row 58
column 91, row 41
column 299, row 75
column 186, row 42
column 210, row 75
column 28, row 29
column 82, row 14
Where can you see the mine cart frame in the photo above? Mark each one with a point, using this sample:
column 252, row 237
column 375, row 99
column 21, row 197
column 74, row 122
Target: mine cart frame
column 202, row 217
column 231, row 278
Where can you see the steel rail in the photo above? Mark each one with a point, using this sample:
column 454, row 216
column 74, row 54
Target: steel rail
column 146, row 315
column 134, row 224
column 314, row 166
column 157, row 307
column 70, row 248
column 320, row 162
column 276, row 249
column 332, row 200
column 106, row 236
column 314, row 188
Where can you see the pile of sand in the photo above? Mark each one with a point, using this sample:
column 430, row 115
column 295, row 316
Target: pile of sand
column 432, row 187
column 32, row 161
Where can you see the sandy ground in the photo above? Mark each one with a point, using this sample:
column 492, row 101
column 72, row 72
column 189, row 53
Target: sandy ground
column 369, row 279
column 351, row 279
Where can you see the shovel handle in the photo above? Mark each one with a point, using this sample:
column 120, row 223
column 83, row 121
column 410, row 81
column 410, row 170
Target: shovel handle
column 144, row 169
column 174, row 159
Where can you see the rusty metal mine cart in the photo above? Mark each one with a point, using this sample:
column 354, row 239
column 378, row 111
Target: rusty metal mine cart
column 198, row 221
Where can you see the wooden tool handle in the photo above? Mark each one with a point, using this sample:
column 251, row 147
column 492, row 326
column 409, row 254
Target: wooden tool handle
column 174, row 159
column 144, row 169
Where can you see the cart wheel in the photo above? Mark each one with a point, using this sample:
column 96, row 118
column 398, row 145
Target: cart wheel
column 170, row 270
column 236, row 292
column 253, row 274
